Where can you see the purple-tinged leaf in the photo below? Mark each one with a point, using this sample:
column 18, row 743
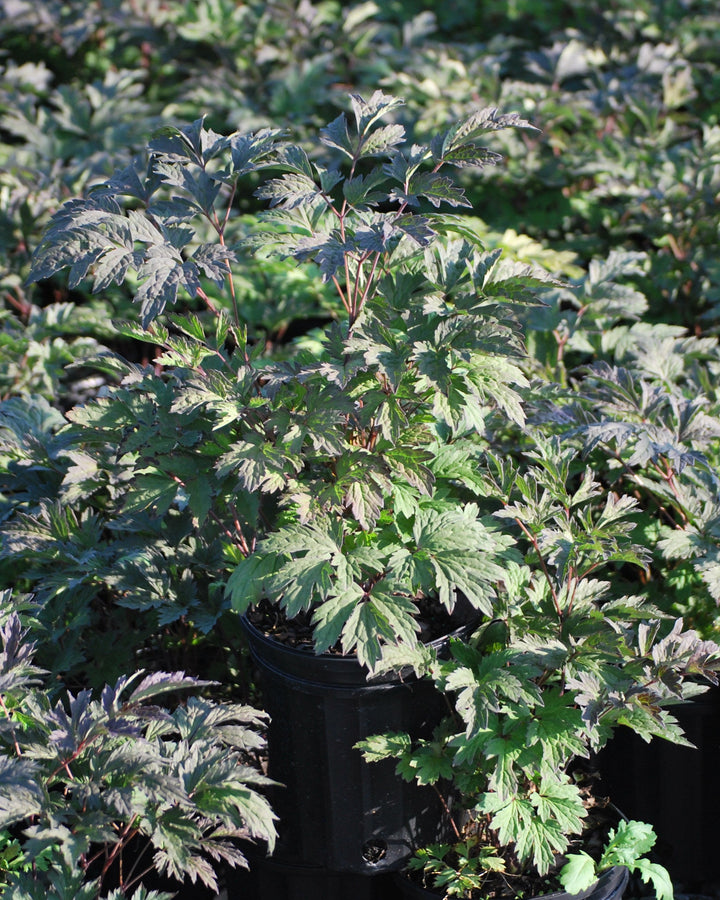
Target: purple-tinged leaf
column 162, row 682
column 367, row 112
column 336, row 135
column 254, row 151
column 214, row 260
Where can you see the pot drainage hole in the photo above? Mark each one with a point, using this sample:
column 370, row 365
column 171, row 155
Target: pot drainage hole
column 373, row 851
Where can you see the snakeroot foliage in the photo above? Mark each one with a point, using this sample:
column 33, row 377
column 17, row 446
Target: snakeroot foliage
column 323, row 475
column 384, row 460
column 84, row 776
column 565, row 658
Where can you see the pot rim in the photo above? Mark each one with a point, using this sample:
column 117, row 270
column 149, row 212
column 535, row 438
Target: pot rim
column 327, row 668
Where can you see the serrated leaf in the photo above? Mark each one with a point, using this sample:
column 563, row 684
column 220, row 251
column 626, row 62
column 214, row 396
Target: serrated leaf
column 289, row 191
column 246, row 582
column 409, row 464
column 258, row 464
column 616, row 507
column 448, row 263
column 459, row 553
column 294, row 159
column 403, row 164
column 151, row 488
column 163, row 682
column 469, row 155
column 427, row 765
column 657, row 876
column 447, row 224
column 328, row 180
column 162, row 275
column 382, row 140
column 485, row 685
column 200, row 497
column 330, row 616
column 250, row 152
column 434, row 187
column 181, row 144
column 416, row 227
column 378, row 236
column 578, row 873
column 367, row 112
column 301, row 583
column 362, row 189
column 112, row 267
column 214, row 260
column 365, row 500
column 336, row 135
column 378, row 617
column 468, row 129
column 127, row 182
column 560, row 802
column 626, row 843
column 199, row 188
column 709, row 569
column 20, row 794
column 518, row 823
column 492, row 376
column 558, row 727
column 384, row 746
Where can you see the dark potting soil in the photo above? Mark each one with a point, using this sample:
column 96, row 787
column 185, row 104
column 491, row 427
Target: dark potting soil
column 434, row 622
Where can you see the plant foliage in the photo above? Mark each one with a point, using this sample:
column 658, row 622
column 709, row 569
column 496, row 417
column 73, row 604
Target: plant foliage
column 394, row 463
column 82, row 777
column 365, row 392
column 406, row 353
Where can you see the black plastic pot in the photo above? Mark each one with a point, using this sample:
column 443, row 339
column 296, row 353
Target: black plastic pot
column 610, row 886
column 675, row 789
column 337, row 812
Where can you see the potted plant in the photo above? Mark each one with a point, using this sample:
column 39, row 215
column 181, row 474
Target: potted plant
column 323, row 474
column 646, row 419
column 368, row 488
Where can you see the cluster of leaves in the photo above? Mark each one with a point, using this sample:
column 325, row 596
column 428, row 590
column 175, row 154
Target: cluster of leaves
column 79, row 533
column 626, row 98
column 628, row 156
column 221, row 442
column 463, row 868
column 82, row 778
column 563, row 660
column 626, row 846
column 644, row 409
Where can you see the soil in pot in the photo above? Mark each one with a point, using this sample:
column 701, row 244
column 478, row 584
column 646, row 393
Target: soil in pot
column 434, row 621
column 610, row 886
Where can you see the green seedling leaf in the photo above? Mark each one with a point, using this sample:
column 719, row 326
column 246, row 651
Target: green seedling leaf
column 657, row 876
column 578, row 873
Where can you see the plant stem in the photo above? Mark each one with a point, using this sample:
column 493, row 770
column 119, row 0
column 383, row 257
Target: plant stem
column 9, row 718
column 531, row 537
column 128, row 832
column 443, row 802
